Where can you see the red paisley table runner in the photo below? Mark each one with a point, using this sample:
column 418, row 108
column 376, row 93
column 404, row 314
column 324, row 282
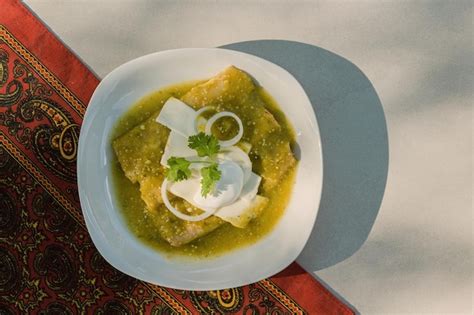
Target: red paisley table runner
column 48, row 263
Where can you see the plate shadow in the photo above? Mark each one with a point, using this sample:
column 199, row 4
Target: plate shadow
column 354, row 145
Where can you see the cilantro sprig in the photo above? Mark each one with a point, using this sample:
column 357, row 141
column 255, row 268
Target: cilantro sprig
column 178, row 169
column 205, row 145
column 210, row 175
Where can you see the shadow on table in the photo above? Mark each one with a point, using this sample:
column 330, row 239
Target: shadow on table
column 354, row 145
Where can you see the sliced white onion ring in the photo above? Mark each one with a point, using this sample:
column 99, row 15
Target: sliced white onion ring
column 176, row 212
column 232, row 141
column 198, row 113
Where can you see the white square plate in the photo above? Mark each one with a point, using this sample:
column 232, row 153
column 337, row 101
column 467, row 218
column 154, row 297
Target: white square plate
column 121, row 89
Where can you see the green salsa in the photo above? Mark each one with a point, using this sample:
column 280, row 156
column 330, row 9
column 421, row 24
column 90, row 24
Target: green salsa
column 278, row 177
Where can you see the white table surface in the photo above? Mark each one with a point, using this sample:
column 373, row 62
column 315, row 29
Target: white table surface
column 418, row 55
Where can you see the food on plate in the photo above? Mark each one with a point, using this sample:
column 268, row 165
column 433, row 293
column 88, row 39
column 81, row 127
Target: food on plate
column 204, row 167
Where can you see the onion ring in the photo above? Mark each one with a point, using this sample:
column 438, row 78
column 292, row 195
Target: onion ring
column 176, row 212
column 198, row 113
column 232, row 141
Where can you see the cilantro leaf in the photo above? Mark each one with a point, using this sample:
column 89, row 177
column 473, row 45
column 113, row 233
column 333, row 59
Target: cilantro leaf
column 178, row 169
column 210, row 175
column 205, row 145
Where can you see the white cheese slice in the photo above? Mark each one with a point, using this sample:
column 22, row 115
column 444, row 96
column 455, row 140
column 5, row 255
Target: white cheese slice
column 239, row 213
column 237, row 155
column 227, row 189
column 178, row 117
column 242, row 211
column 177, row 145
column 249, row 191
column 186, row 189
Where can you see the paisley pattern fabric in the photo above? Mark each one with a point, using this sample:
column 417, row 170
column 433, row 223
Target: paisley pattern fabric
column 48, row 263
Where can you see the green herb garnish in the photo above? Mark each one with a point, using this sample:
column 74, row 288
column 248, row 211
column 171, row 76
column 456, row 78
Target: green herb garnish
column 205, row 145
column 178, row 169
column 210, row 175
